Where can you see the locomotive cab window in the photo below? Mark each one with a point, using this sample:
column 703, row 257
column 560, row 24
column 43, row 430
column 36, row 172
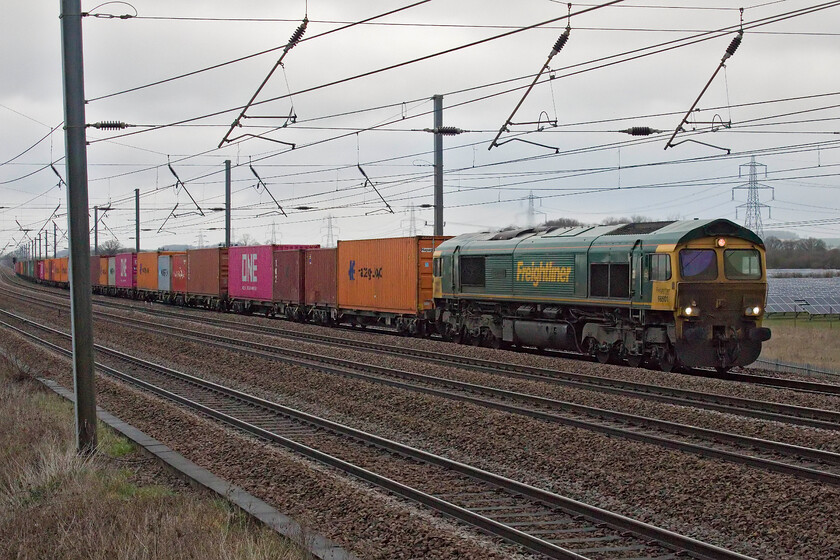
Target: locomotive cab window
column 742, row 264
column 472, row 271
column 698, row 264
column 660, row 268
column 436, row 267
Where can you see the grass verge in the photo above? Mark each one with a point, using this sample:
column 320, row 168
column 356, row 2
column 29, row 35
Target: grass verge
column 115, row 504
column 802, row 341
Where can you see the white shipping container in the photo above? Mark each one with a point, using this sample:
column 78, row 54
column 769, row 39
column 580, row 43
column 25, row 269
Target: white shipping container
column 165, row 273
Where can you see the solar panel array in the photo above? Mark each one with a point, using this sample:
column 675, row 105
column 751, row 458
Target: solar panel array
column 815, row 296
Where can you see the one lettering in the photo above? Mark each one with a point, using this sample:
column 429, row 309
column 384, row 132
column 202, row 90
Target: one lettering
column 249, row 267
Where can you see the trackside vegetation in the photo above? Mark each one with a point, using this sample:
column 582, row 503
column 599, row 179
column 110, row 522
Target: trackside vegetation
column 115, row 504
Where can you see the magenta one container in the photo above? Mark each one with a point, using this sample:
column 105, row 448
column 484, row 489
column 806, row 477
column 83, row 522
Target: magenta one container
column 126, row 273
column 251, row 272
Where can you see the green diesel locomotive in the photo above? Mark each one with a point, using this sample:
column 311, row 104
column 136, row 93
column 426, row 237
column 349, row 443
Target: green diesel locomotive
column 688, row 293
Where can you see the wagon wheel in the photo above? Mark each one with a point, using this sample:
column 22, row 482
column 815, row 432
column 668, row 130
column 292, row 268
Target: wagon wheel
column 635, row 360
column 458, row 335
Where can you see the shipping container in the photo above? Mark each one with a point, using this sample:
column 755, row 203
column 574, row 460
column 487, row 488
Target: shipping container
column 288, row 276
column 252, row 271
column 147, row 271
column 126, row 270
column 319, row 277
column 392, row 276
column 112, row 271
column 179, row 273
column 164, row 267
column 64, row 269
column 94, row 270
column 48, row 270
column 207, row 272
column 103, row 271
column 42, row 265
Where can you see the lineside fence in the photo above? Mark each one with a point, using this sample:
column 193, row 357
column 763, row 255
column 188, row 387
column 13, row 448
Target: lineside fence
column 805, row 369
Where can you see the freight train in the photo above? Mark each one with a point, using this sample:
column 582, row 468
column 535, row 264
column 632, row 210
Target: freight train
column 666, row 294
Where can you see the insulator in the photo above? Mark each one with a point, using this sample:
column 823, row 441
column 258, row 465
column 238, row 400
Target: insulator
column 109, row 125
column 640, row 131
column 297, row 35
column 733, row 46
column 561, row 42
column 449, row 130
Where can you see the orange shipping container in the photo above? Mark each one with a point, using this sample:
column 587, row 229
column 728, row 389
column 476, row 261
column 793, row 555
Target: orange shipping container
column 63, row 269
column 386, row 275
column 147, row 271
column 103, row 271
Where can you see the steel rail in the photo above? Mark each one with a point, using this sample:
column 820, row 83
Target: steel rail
column 670, row 539
column 765, row 410
column 776, row 382
column 466, row 392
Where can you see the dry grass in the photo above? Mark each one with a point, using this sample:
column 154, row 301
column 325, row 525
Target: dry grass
column 55, row 504
column 814, row 342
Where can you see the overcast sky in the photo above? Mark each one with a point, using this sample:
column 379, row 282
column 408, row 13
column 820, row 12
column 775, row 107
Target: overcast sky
column 582, row 168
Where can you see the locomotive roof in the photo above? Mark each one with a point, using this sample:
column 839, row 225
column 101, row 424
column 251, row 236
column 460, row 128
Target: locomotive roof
column 651, row 232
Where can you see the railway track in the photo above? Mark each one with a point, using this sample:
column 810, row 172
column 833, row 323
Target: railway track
column 764, row 380
column 765, row 410
column 801, row 462
column 543, row 522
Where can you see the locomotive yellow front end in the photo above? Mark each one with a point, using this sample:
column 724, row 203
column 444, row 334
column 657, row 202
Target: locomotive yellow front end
column 719, row 293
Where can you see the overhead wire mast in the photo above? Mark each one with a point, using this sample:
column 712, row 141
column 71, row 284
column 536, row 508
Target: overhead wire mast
column 294, row 40
column 558, row 46
column 730, row 50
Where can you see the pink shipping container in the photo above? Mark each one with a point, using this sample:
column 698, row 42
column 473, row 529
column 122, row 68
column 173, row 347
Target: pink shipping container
column 207, row 272
column 41, row 269
column 319, row 277
column 179, row 273
column 126, row 270
column 252, row 271
column 288, row 276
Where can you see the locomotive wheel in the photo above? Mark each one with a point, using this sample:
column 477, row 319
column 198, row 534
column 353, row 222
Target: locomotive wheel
column 493, row 341
column 635, row 360
column 668, row 360
column 723, row 370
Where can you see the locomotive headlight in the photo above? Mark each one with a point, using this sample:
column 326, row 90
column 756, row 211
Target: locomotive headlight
column 691, row 311
column 753, row 311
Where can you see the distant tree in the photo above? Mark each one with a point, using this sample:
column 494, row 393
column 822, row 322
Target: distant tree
column 630, row 220
column 563, row 222
column 811, row 244
column 111, row 247
column 800, row 253
column 247, row 240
